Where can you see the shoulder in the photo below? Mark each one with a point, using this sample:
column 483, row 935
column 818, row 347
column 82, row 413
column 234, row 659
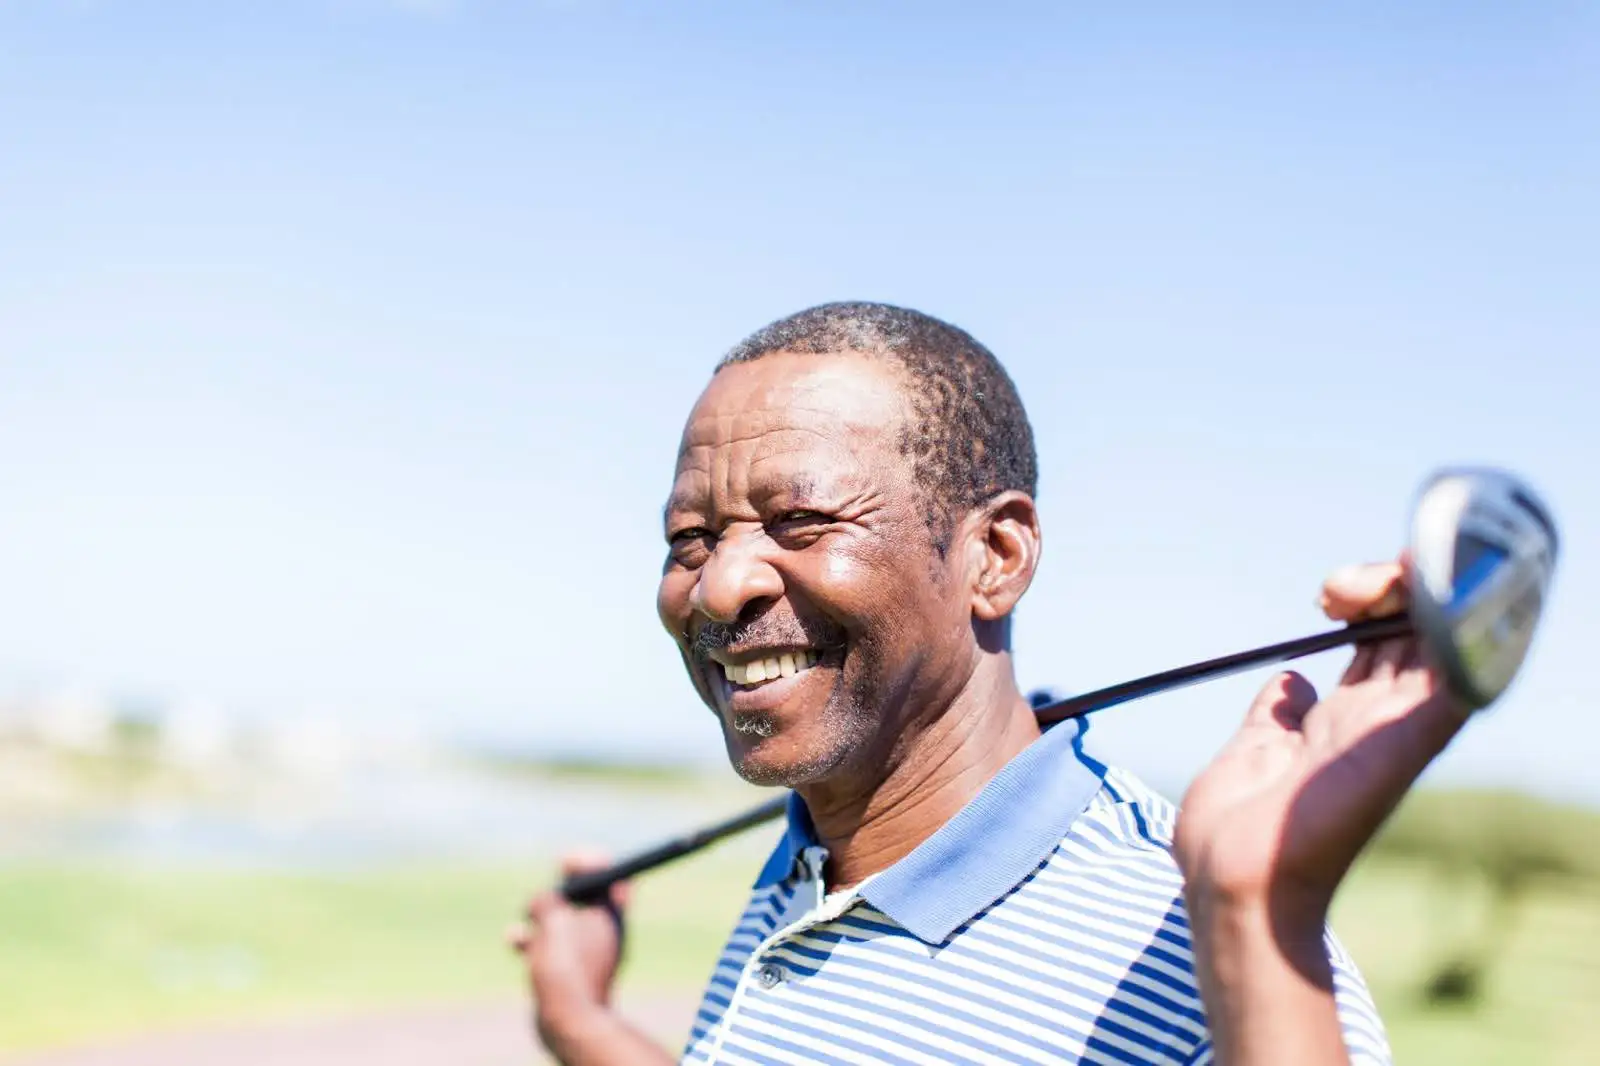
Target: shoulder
column 1120, row 845
column 1115, row 864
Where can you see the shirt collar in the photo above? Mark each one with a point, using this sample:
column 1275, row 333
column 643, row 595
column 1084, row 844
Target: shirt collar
column 798, row 835
column 980, row 854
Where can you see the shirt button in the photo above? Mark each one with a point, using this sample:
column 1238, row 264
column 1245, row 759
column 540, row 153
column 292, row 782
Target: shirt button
column 770, row 975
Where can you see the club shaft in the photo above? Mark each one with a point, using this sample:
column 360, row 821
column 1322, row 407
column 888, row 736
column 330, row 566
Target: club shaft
column 592, row 886
column 1180, row 677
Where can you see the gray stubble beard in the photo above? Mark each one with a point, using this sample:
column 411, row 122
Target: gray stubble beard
column 846, row 709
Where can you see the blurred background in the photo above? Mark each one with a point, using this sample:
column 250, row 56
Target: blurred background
column 344, row 345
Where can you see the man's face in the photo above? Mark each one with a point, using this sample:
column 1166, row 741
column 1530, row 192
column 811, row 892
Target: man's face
column 801, row 583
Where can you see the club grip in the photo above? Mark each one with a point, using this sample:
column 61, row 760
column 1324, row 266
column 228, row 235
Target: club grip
column 591, row 886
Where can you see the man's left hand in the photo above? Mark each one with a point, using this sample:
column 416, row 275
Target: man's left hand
column 1285, row 808
column 1270, row 828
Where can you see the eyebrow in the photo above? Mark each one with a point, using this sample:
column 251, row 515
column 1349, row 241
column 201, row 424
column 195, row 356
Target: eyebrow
column 802, row 484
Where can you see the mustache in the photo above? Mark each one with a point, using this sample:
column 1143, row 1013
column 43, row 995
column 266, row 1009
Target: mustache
column 766, row 629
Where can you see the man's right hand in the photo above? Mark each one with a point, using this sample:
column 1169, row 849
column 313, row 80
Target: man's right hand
column 571, row 954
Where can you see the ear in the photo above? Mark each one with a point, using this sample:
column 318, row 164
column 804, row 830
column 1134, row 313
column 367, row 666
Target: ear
column 1003, row 545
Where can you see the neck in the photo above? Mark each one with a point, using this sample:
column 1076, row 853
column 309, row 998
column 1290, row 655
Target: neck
column 869, row 823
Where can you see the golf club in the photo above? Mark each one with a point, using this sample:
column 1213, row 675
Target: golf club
column 1482, row 550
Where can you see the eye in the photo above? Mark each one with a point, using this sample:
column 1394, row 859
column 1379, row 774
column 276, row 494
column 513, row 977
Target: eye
column 799, row 517
column 798, row 528
column 692, row 533
column 690, row 547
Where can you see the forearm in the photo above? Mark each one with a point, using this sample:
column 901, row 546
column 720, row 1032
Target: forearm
column 597, row 1037
column 1267, row 983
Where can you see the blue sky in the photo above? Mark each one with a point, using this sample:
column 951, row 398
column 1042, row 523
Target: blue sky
column 344, row 345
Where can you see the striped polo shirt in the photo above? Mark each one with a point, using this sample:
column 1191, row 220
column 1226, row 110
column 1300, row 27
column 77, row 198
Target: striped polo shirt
column 1043, row 923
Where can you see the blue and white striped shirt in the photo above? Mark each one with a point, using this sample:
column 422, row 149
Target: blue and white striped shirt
column 1043, row 923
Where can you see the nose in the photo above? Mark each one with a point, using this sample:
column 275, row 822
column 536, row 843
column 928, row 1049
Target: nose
column 735, row 577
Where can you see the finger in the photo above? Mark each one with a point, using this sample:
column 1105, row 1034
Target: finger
column 1404, row 735
column 1415, row 658
column 583, row 862
column 1372, row 590
column 618, row 920
column 1415, row 678
column 544, row 905
column 1360, row 667
column 519, row 935
column 1282, row 703
column 1389, row 658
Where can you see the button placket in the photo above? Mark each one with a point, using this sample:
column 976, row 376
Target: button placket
column 804, row 911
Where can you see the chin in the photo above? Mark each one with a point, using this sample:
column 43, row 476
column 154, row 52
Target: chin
column 776, row 761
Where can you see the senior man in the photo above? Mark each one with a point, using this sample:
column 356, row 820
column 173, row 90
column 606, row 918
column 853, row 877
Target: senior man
column 850, row 528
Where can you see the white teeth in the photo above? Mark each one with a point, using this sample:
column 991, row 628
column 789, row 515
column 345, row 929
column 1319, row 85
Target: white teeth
column 786, row 665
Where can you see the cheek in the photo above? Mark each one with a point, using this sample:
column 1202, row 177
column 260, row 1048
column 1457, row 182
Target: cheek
column 840, row 570
column 672, row 601
column 882, row 594
column 917, row 604
column 857, row 588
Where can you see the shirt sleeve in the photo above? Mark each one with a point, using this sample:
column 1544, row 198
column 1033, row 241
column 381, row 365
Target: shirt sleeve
column 1364, row 1034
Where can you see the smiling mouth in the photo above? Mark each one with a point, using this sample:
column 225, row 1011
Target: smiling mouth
column 757, row 683
column 757, row 672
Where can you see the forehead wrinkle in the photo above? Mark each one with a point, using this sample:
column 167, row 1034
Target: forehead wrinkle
column 763, row 429
column 835, row 396
column 751, row 436
column 729, row 461
column 688, row 485
column 803, row 445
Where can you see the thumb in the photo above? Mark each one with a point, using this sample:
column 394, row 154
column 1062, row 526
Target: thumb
column 1373, row 590
column 1282, row 703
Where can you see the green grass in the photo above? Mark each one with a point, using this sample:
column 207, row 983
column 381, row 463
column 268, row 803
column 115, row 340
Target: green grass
column 97, row 952
column 1401, row 919
column 1504, row 835
column 653, row 777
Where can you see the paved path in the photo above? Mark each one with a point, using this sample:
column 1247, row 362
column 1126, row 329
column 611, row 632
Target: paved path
column 495, row 1033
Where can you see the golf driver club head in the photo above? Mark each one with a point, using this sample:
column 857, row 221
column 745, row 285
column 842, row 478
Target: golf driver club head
column 1483, row 549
